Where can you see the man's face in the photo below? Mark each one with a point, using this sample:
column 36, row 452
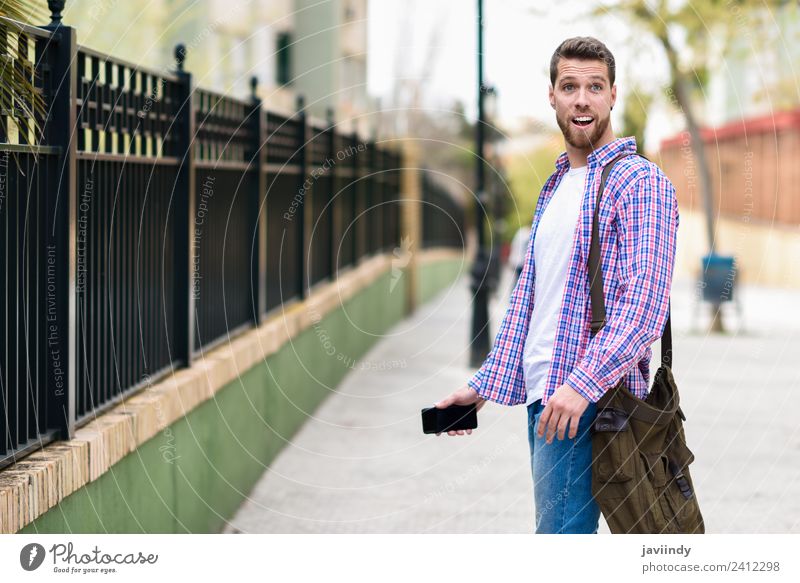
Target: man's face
column 582, row 98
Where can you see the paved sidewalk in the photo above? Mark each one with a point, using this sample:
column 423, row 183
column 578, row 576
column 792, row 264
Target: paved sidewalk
column 362, row 464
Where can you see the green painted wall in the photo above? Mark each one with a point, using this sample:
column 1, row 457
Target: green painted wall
column 196, row 473
column 435, row 276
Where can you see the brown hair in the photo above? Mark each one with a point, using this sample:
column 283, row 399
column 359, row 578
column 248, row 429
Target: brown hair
column 585, row 48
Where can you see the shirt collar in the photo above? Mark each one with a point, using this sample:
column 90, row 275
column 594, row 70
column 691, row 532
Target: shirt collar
column 602, row 155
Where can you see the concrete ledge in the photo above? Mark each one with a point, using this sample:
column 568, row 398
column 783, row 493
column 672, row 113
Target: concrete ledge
column 43, row 479
column 441, row 254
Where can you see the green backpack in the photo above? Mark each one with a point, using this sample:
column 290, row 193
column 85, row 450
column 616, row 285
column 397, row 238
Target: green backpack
column 640, row 460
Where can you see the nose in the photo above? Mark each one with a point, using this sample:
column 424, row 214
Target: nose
column 582, row 99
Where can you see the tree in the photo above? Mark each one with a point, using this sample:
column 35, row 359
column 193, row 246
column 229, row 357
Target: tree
column 667, row 22
column 634, row 116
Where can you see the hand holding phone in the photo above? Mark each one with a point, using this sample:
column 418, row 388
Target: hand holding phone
column 463, row 396
column 452, row 418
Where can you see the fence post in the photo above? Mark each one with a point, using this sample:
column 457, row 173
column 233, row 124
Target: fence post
column 258, row 265
column 334, row 241
column 61, row 205
column 375, row 240
column 386, row 205
column 359, row 226
column 368, row 180
column 411, row 217
column 183, row 203
column 303, row 137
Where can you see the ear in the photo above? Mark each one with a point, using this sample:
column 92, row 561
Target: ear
column 552, row 97
column 613, row 95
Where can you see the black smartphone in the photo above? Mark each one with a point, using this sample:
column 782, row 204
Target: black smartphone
column 451, row 418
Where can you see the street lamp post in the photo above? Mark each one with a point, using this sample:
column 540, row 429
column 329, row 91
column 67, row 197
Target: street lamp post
column 481, row 283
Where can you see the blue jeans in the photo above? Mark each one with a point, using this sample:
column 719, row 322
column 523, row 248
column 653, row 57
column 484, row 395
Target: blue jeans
column 562, row 477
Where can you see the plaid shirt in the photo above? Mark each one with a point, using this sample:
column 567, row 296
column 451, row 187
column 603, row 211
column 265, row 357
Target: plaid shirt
column 638, row 224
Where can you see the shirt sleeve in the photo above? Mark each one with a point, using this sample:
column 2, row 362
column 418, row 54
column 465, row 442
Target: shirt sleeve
column 498, row 379
column 648, row 219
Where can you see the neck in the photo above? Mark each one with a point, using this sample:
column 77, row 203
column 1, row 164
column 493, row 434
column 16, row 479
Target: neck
column 577, row 156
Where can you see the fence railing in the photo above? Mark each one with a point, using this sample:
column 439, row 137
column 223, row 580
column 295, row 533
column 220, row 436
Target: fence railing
column 442, row 215
column 150, row 220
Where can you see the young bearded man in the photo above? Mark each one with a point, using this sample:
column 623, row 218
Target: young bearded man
column 543, row 354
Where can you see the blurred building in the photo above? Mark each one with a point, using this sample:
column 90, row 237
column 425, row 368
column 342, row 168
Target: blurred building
column 757, row 74
column 752, row 143
column 756, row 187
column 317, row 49
column 329, row 58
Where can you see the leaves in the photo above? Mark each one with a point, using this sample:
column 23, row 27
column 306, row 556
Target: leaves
column 22, row 106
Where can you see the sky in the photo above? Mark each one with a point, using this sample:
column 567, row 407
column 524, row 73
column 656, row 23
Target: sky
column 519, row 38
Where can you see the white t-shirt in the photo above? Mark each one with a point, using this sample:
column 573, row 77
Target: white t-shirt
column 519, row 245
column 551, row 253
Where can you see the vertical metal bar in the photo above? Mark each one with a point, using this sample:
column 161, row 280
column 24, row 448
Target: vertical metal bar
column 147, row 276
column 4, row 299
column 184, row 197
column 258, row 269
column 29, row 251
column 107, row 187
column 353, row 194
column 147, row 268
column 359, row 189
column 383, row 202
column 123, row 280
column 40, row 320
column 138, row 265
column 332, row 204
column 18, row 294
column 156, row 199
column 119, row 278
column 304, row 132
column 96, row 312
column 131, row 279
column 81, row 295
column 369, row 200
column 61, row 208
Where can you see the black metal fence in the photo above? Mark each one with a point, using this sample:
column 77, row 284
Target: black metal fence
column 442, row 215
column 150, row 220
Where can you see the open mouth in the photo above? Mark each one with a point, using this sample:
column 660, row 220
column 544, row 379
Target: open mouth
column 583, row 121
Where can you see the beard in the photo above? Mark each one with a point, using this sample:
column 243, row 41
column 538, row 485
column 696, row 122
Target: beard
column 580, row 138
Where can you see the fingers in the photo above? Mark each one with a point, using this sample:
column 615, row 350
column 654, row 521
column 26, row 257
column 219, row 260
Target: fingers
column 555, row 420
column 552, row 426
column 459, row 432
column 573, row 427
column 444, row 403
column 458, row 397
column 562, row 426
column 556, row 424
column 548, row 423
column 548, row 411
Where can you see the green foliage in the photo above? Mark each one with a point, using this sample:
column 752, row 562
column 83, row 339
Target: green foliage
column 634, row 116
column 527, row 173
column 17, row 94
column 24, row 11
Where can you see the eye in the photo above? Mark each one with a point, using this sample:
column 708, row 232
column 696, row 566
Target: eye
column 597, row 87
column 567, row 87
